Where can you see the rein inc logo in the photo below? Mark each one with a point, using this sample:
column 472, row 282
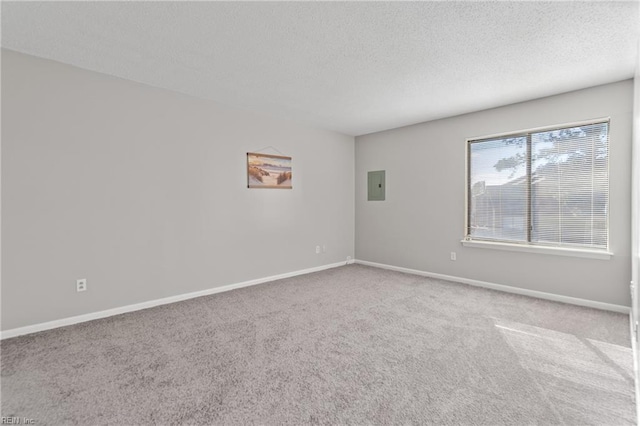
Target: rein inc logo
column 16, row 421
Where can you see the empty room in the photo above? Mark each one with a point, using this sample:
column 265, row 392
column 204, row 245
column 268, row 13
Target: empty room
column 221, row 213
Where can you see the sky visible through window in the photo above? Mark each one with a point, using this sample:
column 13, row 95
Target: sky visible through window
column 485, row 156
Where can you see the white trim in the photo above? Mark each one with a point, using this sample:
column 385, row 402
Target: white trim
column 636, row 377
column 151, row 303
column 561, row 251
column 505, row 288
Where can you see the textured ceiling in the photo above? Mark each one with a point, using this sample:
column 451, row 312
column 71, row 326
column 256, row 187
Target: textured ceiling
column 351, row 67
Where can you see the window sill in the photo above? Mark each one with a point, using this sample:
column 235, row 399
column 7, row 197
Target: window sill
column 559, row 251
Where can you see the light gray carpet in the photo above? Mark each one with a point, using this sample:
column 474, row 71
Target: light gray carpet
column 351, row 345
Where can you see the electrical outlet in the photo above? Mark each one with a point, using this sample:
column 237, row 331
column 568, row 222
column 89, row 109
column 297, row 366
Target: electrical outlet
column 348, row 259
column 453, row 255
column 81, row 285
column 317, row 249
column 324, row 248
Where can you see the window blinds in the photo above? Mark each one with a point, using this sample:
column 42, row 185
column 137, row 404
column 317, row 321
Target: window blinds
column 545, row 188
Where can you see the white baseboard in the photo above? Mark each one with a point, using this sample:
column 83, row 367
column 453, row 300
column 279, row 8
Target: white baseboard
column 505, row 288
column 164, row 301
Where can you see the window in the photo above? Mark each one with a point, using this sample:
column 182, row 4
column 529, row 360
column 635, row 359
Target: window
column 541, row 188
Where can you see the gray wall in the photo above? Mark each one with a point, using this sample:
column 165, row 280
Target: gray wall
column 422, row 219
column 143, row 192
column 635, row 263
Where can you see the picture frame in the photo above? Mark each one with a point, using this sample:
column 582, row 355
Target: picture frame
column 268, row 171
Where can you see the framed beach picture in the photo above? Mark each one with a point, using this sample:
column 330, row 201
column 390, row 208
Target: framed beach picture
column 268, row 171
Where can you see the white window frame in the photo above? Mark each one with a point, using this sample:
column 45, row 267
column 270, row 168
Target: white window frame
column 591, row 253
